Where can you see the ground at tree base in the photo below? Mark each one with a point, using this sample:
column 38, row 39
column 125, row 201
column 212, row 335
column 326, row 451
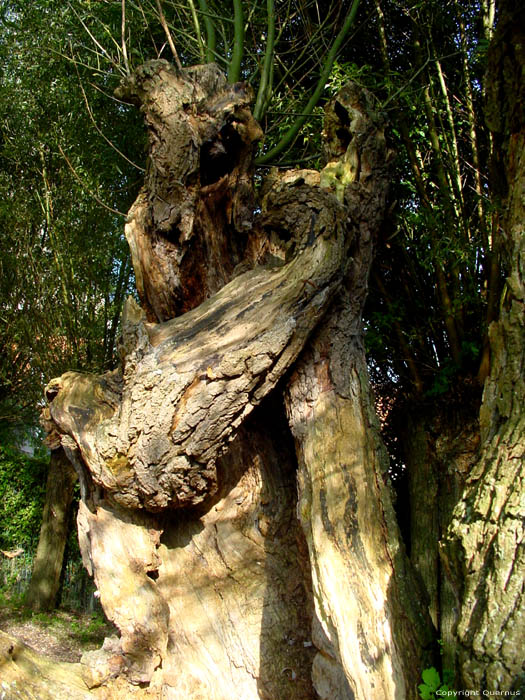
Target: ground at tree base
column 61, row 635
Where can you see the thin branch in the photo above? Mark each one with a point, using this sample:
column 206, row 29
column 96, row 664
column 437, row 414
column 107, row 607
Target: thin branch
column 265, row 85
column 197, row 26
column 168, row 35
column 409, row 81
column 234, row 69
column 123, row 38
column 296, row 114
column 96, row 42
column 383, row 44
column 99, row 130
column 79, row 63
column 85, row 187
column 296, row 65
column 106, row 94
column 211, row 38
column 294, row 162
column 292, row 132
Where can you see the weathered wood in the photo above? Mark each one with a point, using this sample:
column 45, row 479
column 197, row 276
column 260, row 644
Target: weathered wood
column 190, row 382
column 373, row 621
column 192, row 222
column 188, row 516
column 222, row 599
column 25, row 675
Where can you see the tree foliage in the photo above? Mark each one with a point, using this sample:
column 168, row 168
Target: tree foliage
column 437, row 274
column 64, row 267
column 22, row 488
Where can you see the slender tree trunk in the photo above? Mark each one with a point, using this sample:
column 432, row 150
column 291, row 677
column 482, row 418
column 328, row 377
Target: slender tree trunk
column 47, row 567
column 484, row 548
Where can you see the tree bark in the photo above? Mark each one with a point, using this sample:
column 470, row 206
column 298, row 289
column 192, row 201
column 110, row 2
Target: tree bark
column 440, row 447
column 484, row 548
column 368, row 608
column 47, row 567
column 185, row 460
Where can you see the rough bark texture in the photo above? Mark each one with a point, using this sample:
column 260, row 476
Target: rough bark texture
column 153, row 443
column 47, row 568
column 368, row 605
column 192, row 222
column 369, row 617
column 186, row 464
column 441, row 443
column 485, row 547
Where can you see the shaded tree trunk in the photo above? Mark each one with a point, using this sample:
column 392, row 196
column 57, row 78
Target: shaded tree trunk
column 440, row 447
column 47, row 567
column 185, row 459
column 484, row 548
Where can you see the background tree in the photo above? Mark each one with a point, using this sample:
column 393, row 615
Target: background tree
column 64, row 269
column 484, row 543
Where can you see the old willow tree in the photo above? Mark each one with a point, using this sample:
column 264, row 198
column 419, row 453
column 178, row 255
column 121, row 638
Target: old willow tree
column 236, row 507
column 220, row 578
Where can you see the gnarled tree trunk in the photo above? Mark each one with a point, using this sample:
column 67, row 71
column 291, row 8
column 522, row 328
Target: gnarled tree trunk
column 186, row 464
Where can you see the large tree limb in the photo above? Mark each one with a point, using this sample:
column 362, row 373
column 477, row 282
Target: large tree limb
column 189, row 383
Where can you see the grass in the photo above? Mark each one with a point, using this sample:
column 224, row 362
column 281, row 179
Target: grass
column 61, row 634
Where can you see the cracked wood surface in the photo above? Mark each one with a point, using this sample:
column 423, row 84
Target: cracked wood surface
column 151, row 439
column 183, row 453
column 192, row 222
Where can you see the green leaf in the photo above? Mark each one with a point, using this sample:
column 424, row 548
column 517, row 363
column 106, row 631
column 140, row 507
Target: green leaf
column 425, row 692
column 431, row 678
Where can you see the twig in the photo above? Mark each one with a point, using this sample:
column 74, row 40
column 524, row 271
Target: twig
column 234, row 69
column 123, row 36
column 84, row 186
column 290, row 136
column 99, row 130
column 97, row 43
column 265, row 85
column 211, row 40
column 168, row 35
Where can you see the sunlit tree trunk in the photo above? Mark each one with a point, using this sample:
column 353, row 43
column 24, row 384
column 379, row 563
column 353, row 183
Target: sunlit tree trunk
column 188, row 520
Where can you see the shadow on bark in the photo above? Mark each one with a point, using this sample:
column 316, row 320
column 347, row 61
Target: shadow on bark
column 188, row 513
